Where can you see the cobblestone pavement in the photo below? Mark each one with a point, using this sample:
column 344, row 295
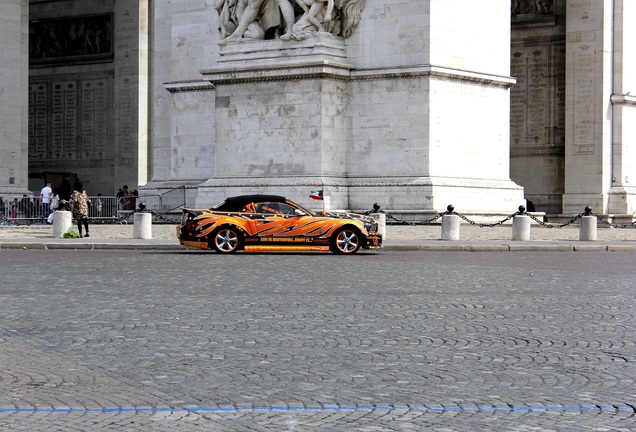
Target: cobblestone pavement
column 194, row 341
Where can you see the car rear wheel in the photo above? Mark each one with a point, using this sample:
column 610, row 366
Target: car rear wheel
column 226, row 240
column 346, row 241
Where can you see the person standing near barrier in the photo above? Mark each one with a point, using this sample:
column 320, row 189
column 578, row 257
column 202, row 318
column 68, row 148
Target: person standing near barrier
column 79, row 206
column 27, row 207
column 45, row 197
column 55, row 202
column 121, row 202
column 133, row 200
column 99, row 205
column 14, row 208
column 64, row 191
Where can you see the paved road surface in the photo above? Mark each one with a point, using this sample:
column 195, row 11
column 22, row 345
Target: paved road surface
column 193, row 341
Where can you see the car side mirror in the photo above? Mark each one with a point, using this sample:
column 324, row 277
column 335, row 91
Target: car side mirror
column 299, row 212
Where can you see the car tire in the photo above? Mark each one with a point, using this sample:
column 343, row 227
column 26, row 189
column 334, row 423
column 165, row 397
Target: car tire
column 346, row 241
column 226, row 240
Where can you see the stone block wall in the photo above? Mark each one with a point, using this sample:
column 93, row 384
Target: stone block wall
column 389, row 128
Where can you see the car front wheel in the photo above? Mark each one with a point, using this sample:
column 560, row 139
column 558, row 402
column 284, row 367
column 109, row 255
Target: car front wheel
column 346, row 241
column 226, row 240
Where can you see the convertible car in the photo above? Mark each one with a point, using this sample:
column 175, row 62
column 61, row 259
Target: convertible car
column 264, row 223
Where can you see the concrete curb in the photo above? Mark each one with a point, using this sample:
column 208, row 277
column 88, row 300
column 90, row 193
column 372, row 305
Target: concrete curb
column 414, row 246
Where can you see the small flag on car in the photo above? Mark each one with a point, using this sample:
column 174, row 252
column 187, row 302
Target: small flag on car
column 316, row 194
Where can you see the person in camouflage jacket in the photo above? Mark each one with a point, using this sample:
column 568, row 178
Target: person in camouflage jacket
column 79, row 207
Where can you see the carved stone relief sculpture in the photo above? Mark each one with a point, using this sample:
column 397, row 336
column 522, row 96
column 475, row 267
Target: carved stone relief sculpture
column 280, row 19
column 532, row 7
column 70, row 40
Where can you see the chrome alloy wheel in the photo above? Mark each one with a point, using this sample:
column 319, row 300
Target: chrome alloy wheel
column 226, row 240
column 347, row 242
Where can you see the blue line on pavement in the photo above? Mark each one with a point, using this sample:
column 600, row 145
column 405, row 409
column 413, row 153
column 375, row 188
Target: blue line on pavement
column 369, row 408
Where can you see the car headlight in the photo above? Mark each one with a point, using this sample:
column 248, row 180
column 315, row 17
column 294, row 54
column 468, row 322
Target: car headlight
column 371, row 226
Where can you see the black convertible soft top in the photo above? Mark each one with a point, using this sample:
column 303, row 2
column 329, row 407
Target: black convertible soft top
column 235, row 204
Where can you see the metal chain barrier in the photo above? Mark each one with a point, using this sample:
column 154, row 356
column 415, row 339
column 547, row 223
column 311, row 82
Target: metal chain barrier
column 376, row 209
column 143, row 208
column 450, row 210
column 545, row 224
column 631, row 225
column 163, row 218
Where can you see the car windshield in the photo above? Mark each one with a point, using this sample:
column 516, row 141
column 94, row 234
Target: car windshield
column 262, row 204
column 303, row 209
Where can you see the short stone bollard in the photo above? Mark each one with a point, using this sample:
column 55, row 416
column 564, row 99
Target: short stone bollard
column 521, row 228
column 142, row 225
column 62, row 222
column 587, row 228
column 450, row 227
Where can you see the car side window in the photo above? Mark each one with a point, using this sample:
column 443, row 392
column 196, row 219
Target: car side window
column 274, row 208
column 250, row 208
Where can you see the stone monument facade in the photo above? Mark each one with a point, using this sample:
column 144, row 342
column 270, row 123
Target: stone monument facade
column 87, row 93
column 572, row 108
column 414, row 116
column 411, row 104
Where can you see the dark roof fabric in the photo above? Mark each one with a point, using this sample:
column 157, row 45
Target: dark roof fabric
column 234, row 204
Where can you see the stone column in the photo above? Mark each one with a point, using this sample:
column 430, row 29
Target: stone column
column 622, row 196
column 590, row 59
column 14, row 81
column 131, row 92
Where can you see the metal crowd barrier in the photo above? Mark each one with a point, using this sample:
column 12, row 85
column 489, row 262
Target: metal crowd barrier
column 28, row 210
column 16, row 209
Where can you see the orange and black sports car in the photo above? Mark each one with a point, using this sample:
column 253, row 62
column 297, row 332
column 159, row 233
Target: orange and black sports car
column 264, row 223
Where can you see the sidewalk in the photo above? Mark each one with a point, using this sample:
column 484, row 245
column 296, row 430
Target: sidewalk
column 399, row 238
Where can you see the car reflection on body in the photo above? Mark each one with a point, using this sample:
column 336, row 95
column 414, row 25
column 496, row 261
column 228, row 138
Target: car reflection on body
column 272, row 223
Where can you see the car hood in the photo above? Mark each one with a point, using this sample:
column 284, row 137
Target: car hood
column 345, row 215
